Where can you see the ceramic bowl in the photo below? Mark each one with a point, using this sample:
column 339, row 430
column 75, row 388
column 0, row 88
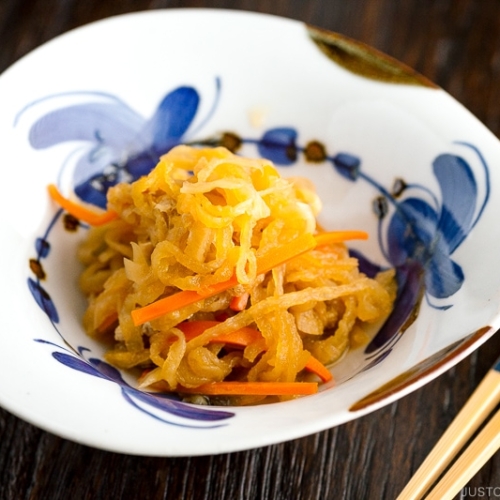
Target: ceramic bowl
column 389, row 152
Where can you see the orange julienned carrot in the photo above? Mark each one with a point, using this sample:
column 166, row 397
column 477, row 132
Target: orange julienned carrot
column 327, row 237
column 78, row 211
column 265, row 263
column 107, row 324
column 282, row 254
column 318, row 368
column 239, row 302
column 242, row 338
column 181, row 299
column 254, row 389
column 177, row 301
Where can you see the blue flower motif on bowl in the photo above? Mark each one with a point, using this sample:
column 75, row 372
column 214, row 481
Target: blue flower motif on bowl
column 120, row 145
column 145, row 402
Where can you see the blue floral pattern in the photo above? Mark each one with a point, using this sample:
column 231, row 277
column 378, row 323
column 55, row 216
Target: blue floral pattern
column 119, row 144
column 418, row 230
column 143, row 401
column 438, row 230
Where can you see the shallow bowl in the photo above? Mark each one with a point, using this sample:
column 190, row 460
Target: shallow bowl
column 389, row 152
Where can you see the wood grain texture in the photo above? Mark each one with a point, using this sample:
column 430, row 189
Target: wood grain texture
column 455, row 43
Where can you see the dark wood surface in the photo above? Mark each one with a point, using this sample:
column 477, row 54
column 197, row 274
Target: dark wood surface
column 455, row 43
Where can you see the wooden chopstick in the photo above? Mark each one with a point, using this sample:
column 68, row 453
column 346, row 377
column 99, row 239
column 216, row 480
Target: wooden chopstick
column 472, row 459
column 477, row 408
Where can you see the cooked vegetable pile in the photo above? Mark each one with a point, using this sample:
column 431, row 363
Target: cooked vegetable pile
column 211, row 276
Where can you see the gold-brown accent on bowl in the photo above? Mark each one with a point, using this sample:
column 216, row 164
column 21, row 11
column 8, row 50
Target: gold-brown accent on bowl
column 364, row 60
column 315, row 152
column 37, row 269
column 230, row 141
column 71, row 223
column 421, row 370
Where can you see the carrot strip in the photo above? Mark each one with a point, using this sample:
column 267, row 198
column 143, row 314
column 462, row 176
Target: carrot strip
column 192, row 329
column 280, row 255
column 107, row 324
column 254, row 389
column 265, row 263
column 184, row 298
column 177, row 301
column 338, row 236
column 315, row 366
column 242, row 337
column 80, row 212
column 239, row 302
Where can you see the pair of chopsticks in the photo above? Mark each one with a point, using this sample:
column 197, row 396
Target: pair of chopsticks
column 478, row 407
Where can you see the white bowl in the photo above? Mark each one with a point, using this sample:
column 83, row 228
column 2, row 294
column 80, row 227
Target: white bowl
column 403, row 161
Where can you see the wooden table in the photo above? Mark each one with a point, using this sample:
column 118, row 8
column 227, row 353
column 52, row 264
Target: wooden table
column 455, row 43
